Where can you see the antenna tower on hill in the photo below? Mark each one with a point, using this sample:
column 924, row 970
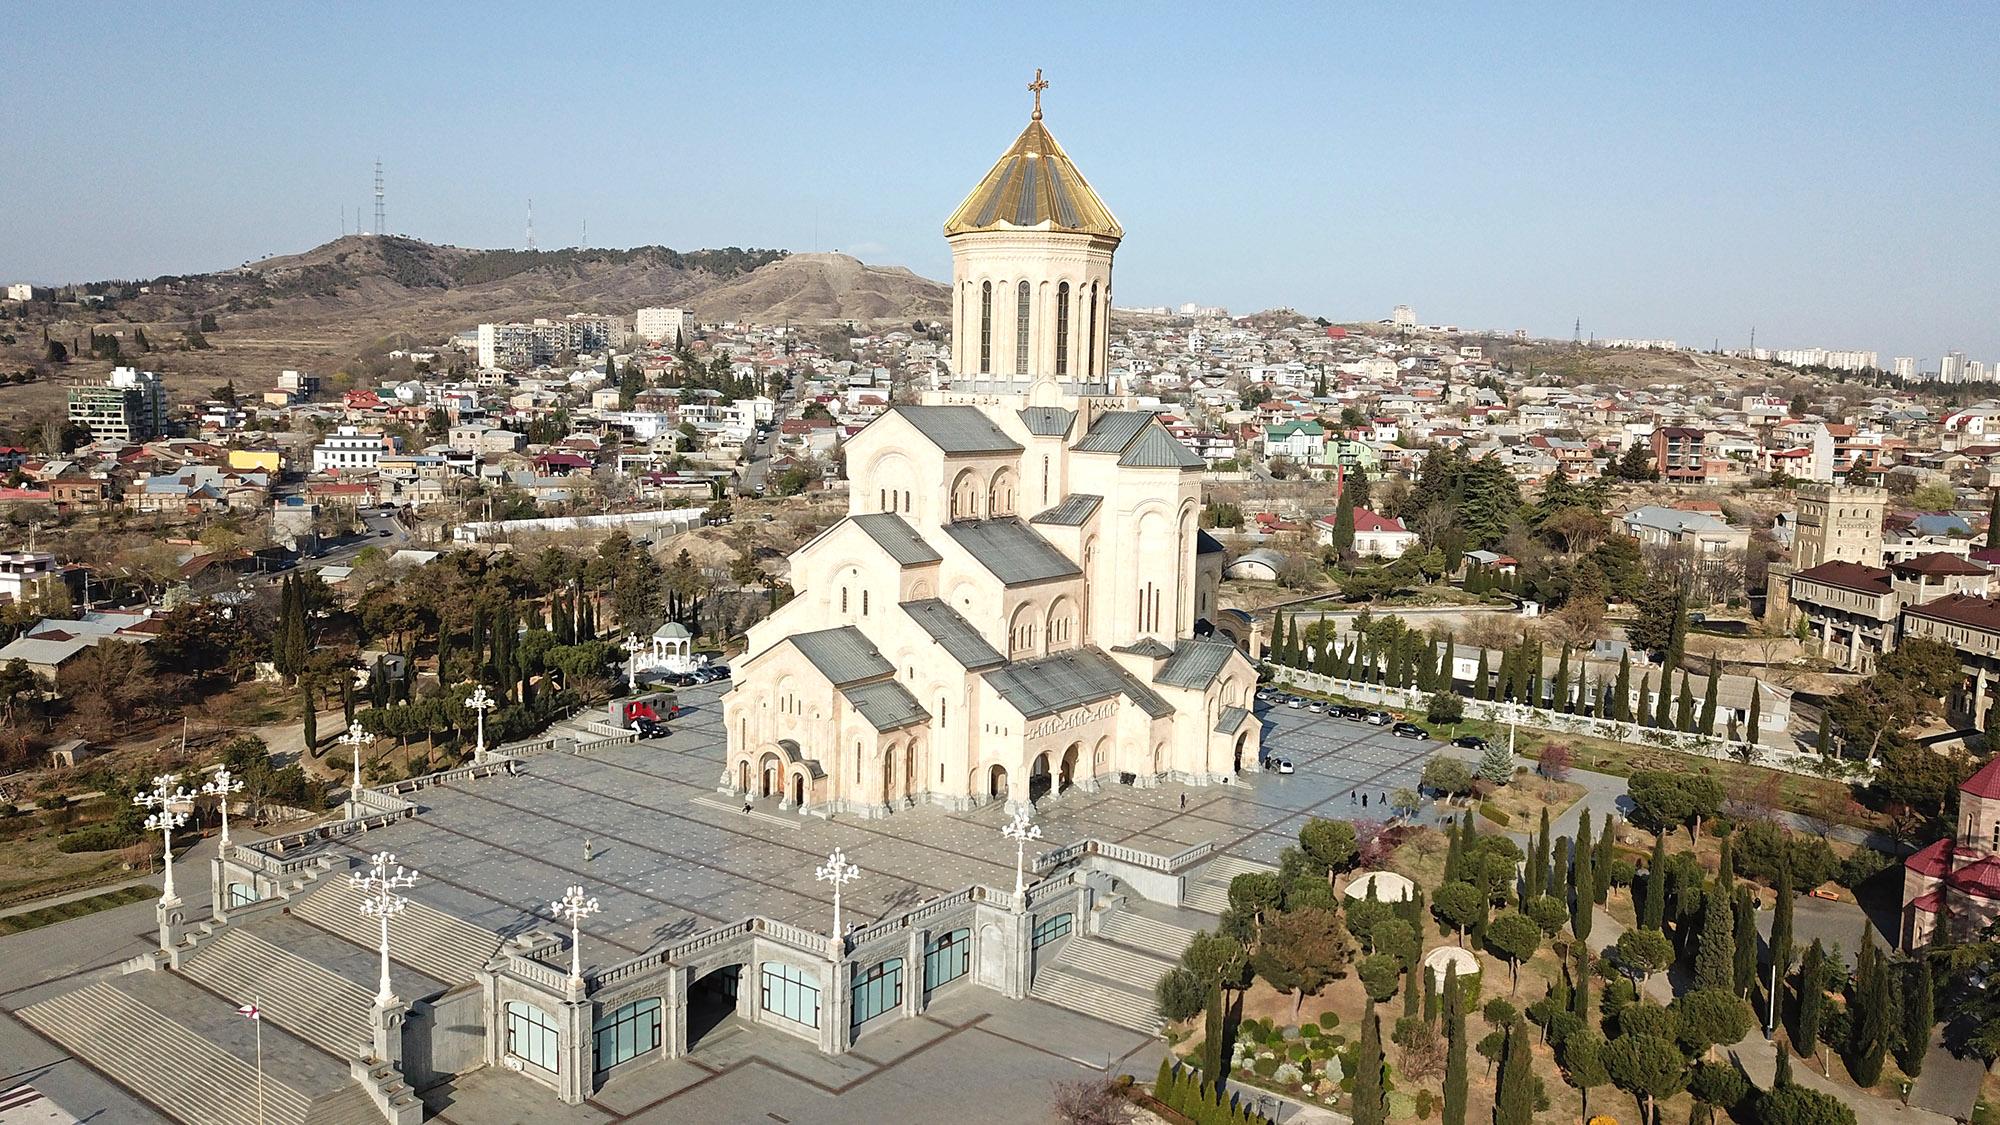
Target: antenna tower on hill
column 380, row 226
column 531, row 223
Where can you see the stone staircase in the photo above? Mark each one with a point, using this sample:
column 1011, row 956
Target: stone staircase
column 350, row 1105
column 1083, row 993
column 1208, row 892
column 1161, row 939
column 449, row 949
column 304, row 998
column 166, row 1062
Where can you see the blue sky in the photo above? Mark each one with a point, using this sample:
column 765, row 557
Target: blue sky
column 1820, row 171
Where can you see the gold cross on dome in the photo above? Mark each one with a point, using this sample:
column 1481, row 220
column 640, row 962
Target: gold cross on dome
column 1037, row 86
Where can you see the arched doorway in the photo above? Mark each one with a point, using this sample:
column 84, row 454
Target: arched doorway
column 1242, row 740
column 996, row 781
column 799, row 791
column 711, row 999
column 772, row 780
column 1039, row 780
column 743, row 776
column 889, row 777
column 1070, row 758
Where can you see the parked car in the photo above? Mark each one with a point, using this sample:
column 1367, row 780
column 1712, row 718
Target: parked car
column 1354, row 714
column 1295, row 703
column 649, row 728
column 1470, row 742
column 1279, row 765
column 1316, row 707
column 1409, row 730
column 1378, row 719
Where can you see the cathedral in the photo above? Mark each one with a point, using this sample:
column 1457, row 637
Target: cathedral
column 1010, row 607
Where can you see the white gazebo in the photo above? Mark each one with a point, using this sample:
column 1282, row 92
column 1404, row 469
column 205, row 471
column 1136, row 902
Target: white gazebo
column 1389, row 887
column 1438, row 962
column 671, row 650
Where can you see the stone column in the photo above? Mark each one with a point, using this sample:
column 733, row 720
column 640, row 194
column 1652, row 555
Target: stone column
column 1979, row 696
column 836, row 1002
column 674, row 1014
column 385, row 1026
column 574, row 1083
column 913, row 972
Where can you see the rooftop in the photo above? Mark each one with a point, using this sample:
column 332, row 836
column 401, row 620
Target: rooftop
column 1034, row 184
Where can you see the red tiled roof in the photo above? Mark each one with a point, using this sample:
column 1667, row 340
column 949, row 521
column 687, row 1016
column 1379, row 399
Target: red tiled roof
column 1934, row 860
column 1937, row 563
column 1848, row 576
column 1961, row 609
column 1365, row 520
column 1981, row 879
column 1984, row 783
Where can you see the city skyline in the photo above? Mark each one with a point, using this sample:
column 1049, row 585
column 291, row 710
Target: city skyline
column 1278, row 159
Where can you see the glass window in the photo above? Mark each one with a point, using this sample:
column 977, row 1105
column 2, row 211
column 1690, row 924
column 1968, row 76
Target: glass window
column 532, row 1036
column 791, row 992
column 1062, row 329
column 627, row 1033
column 1049, row 929
column 947, row 958
column 1090, row 348
column 241, row 895
column 1021, row 329
column 877, row 989
column 985, row 327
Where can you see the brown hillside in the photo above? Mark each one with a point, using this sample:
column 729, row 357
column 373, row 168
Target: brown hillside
column 824, row 287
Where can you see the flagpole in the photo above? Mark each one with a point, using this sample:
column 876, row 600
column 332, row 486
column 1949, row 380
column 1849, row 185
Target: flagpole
column 259, row 1021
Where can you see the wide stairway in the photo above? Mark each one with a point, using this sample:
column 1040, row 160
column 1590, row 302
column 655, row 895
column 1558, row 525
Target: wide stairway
column 190, row 1076
column 1159, row 938
column 305, row 999
column 426, row 939
column 1114, row 974
column 1208, row 892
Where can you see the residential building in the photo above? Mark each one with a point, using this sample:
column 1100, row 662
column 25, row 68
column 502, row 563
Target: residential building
column 1708, row 537
column 1839, row 523
column 1679, row 454
column 349, row 450
column 130, row 406
column 663, row 326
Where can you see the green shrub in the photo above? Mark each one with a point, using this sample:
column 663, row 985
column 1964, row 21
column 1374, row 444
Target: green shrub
column 1426, row 1104
column 1495, row 814
column 1329, row 1019
column 1401, row 1105
column 1309, row 1031
column 1265, row 1067
column 97, row 838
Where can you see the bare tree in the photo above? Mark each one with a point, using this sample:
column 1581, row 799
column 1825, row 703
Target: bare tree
column 1091, row 1101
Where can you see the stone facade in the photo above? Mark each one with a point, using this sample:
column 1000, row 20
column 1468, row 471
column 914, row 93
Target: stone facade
column 1951, row 889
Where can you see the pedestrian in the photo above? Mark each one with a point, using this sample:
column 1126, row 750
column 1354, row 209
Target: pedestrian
column 1183, row 802
column 746, row 802
column 1350, row 796
column 1364, row 800
column 586, row 849
column 1381, row 798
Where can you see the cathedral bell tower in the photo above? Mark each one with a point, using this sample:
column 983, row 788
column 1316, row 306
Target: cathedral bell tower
column 1031, row 251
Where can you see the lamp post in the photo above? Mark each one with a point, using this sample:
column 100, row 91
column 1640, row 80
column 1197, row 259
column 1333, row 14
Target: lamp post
column 354, row 740
column 221, row 786
column 573, row 908
column 1021, row 829
column 169, row 801
column 480, row 703
column 633, row 647
column 837, row 871
column 379, row 900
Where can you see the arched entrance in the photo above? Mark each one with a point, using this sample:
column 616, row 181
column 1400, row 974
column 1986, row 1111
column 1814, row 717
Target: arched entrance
column 1039, row 780
column 889, row 777
column 711, row 1000
column 743, row 776
column 1242, row 740
column 799, row 790
column 771, row 779
column 1070, row 758
column 996, row 781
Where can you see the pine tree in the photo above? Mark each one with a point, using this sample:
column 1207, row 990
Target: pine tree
column 1654, row 915
column 1812, row 998
column 1715, row 942
column 1621, row 695
column 1454, row 1060
column 1514, row 1104
column 1371, row 1105
column 1708, row 697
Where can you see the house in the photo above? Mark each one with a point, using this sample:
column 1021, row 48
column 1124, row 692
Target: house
column 1708, row 536
column 1375, row 536
column 1259, row 565
column 1680, row 455
column 1951, row 889
column 1303, row 442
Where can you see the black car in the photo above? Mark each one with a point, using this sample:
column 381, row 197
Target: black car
column 1409, row 730
column 1470, row 742
column 649, row 728
column 1354, row 714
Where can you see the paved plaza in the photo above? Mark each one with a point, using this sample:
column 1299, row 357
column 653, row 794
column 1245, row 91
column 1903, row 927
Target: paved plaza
column 670, row 856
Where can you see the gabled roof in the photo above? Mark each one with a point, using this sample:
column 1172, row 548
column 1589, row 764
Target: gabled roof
column 1145, row 646
column 1985, row 781
column 886, row 705
column 1048, row 421
column 1961, row 609
column 1011, row 551
column 1195, row 664
column 1074, row 511
column 1206, row 544
column 957, row 429
column 953, row 632
column 1070, row 679
column 1113, row 431
column 1848, row 576
column 1230, row 719
column 1032, row 184
column 898, row 538
column 843, row 655
column 1938, row 564
column 1158, row 449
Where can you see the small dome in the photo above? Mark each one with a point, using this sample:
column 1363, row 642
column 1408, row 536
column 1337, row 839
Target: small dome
column 1440, row 960
column 1389, row 886
column 671, row 631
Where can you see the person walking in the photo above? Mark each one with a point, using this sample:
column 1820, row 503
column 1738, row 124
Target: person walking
column 586, row 849
column 1183, row 802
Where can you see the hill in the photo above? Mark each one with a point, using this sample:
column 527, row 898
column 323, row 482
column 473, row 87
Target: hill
column 824, row 287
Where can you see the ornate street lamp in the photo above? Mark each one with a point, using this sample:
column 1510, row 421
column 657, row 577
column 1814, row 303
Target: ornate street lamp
column 354, row 740
column 379, row 900
column 169, row 802
column 221, row 786
column 1021, row 830
column 633, row 647
column 480, row 703
column 837, row 871
column 573, row 908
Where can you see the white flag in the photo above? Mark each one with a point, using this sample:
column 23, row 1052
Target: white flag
column 250, row 1012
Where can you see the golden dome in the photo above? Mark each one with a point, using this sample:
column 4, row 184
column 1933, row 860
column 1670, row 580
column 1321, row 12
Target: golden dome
column 1034, row 185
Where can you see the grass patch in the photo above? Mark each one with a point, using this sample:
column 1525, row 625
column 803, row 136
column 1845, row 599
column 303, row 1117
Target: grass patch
column 75, row 908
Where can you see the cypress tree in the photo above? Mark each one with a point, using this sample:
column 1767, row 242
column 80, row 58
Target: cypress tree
column 1454, row 1059
column 1482, row 687
column 1641, row 713
column 1579, row 1001
column 310, row 712
column 1992, row 517
column 1812, row 997
column 1212, row 1061
column 347, row 702
column 1872, row 1004
column 1561, row 700
column 1752, row 731
column 1684, row 713
column 1584, row 880
column 1654, row 914
column 1621, row 695
column 1430, row 994
column 1919, row 1013
column 1708, row 697
column 1446, row 681
column 1782, row 1075
column 1514, row 1103
column 1825, row 740
column 1277, row 651
column 1746, row 942
column 1781, row 934
column 1715, row 943
column 1663, row 712
column 1538, row 858
column 1601, row 869
column 1454, row 855
column 1371, row 1105
column 1292, row 648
